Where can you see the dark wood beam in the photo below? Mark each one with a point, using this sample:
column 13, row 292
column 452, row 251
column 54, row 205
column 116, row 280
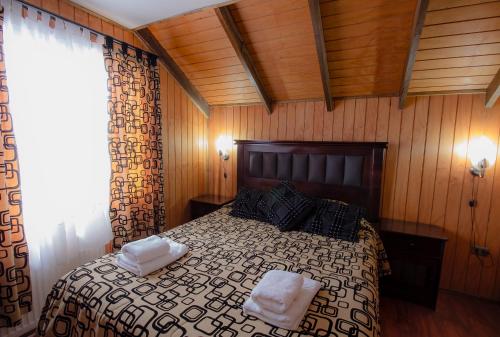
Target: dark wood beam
column 418, row 24
column 231, row 29
column 154, row 45
column 321, row 51
column 493, row 91
column 447, row 92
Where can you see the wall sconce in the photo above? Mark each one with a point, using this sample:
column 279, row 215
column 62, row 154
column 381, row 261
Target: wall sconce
column 482, row 153
column 223, row 145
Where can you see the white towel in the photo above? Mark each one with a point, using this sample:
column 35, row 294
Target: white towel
column 176, row 251
column 291, row 319
column 146, row 249
column 277, row 290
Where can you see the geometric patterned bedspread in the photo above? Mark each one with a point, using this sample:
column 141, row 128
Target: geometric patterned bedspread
column 202, row 293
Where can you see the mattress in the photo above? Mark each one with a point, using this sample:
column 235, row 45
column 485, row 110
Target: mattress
column 202, row 293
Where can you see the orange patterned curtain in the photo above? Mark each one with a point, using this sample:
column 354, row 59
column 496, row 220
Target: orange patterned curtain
column 135, row 145
column 15, row 284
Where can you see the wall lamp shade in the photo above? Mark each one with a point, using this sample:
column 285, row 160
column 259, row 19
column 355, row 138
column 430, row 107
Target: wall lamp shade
column 482, row 153
column 223, row 145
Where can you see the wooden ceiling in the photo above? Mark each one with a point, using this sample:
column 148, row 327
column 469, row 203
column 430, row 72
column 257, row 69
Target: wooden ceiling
column 459, row 47
column 367, row 45
column 279, row 36
column 270, row 50
column 198, row 44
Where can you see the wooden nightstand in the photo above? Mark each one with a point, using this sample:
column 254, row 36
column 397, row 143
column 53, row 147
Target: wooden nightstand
column 415, row 253
column 204, row 204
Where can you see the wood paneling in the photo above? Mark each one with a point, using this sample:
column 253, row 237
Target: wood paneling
column 280, row 38
column 184, row 149
column 369, row 39
column 425, row 178
column 198, row 43
column 459, row 48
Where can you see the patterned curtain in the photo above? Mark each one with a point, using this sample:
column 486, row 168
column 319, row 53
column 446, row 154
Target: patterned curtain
column 15, row 284
column 135, row 145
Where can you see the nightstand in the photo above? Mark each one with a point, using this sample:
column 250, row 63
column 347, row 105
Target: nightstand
column 415, row 253
column 204, row 204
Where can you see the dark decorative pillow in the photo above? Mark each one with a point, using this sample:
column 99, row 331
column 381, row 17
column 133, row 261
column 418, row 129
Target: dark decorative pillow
column 247, row 205
column 286, row 208
column 335, row 219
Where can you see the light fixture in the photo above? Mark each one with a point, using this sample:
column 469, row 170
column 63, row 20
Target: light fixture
column 481, row 152
column 224, row 144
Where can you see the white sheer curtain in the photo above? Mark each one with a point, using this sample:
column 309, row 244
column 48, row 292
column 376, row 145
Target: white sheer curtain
column 58, row 99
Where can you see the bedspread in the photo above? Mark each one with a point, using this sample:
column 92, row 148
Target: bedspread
column 202, row 293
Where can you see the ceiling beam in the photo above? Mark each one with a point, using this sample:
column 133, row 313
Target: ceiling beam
column 493, row 91
column 321, row 51
column 231, row 29
column 418, row 24
column 447, row 92
column 154, row 45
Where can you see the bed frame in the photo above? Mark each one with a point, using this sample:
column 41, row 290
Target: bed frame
column 346, row 171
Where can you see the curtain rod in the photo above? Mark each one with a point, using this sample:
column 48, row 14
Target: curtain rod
column 107, row 38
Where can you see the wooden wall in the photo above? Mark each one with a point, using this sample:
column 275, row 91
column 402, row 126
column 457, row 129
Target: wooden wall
column 184, row 149
column 425, row 179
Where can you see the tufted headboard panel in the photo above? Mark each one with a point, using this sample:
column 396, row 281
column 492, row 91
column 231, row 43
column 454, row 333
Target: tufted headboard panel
column 350, row 172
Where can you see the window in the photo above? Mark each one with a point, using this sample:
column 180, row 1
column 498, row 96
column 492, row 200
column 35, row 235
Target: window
column 58, row 99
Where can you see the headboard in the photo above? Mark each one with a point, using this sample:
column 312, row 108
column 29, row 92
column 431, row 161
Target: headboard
column 346, row 171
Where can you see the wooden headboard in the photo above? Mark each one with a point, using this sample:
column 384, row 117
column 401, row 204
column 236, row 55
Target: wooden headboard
column 346, row 171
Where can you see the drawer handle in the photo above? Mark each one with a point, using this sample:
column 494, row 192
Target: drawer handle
column 412, row 244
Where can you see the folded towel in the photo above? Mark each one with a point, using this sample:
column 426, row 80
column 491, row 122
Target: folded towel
column 146, row 249
column 176, row 251
column 277, row 290
column 291, row 319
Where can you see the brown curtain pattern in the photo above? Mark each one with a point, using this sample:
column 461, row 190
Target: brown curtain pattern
column 15, row 283
column 137, row 201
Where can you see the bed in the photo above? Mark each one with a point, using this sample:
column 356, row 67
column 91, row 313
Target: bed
column 202, row 293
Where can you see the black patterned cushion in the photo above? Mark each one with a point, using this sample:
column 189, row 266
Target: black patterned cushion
column 335, row 219
column 247, row 205
column 286, row 208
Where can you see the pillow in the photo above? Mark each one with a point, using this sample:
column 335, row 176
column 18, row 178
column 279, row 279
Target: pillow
column 335, row 219
column 286, row 208
column 247, row 205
